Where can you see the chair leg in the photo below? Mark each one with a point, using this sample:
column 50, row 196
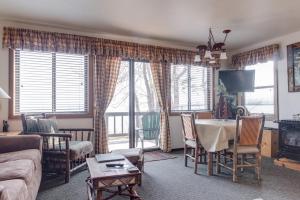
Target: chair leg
column 225, row 156
column 234, row 171
column 243, row 161
column 196, row 159
column 142, row 141
column 218, row 169
column 258, row 166
column 67, row 174
column 185, row 157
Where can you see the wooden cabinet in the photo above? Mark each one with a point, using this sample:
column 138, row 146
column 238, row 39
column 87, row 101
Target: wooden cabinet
column 269, row 145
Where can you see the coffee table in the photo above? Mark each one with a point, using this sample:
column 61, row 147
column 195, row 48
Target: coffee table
column 103, row 178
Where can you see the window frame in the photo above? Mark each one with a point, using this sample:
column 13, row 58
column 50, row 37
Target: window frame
column 178, row 112
column 269, row 117
column 12, row 84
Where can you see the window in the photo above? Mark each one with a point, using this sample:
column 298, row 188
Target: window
column 191, row 88
column 50, row 82
column 262, row 99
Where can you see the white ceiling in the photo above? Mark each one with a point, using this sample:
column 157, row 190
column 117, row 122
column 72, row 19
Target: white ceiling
column 182, row 22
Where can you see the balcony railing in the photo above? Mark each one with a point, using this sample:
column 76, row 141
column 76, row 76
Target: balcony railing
column 117, row 122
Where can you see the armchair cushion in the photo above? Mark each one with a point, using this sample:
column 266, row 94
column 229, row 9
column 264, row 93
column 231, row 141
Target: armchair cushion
column 79, row 149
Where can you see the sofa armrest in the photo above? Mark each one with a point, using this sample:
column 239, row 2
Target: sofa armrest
column 20, row 142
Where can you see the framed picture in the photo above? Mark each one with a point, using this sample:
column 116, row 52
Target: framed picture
column 293, row 66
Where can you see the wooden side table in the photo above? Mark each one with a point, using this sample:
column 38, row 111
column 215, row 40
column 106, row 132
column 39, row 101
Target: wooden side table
column 10, row 133
column 102, row 179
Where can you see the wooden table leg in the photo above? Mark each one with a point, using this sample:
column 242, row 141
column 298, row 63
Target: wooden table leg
column 99, row 195
column 210, row 163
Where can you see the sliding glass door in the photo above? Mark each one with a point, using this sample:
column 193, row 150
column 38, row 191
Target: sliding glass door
column 132, row 117
column 146, row 107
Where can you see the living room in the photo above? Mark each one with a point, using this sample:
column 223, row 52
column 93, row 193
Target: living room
column 149, row 99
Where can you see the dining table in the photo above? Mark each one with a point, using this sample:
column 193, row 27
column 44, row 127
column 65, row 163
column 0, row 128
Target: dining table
column 214, row 135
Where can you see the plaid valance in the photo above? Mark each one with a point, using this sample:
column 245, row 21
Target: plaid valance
column 18, row 38
column 255, row 56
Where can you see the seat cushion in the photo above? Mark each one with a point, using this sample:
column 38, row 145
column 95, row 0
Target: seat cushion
column 17, row 169
column 133, row 154
column 29, row 154
column 79, row 149
column 14, row 189
column 191, row 143
column 244, row 149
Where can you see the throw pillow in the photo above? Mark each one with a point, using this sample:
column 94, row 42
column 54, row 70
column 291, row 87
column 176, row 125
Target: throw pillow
column 48, row 125
column 32, row 125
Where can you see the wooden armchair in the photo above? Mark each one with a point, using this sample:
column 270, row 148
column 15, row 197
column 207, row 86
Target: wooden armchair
column 150, row 129
column 64, row 151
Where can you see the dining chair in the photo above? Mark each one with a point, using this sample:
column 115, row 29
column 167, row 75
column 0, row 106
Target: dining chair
column 247, row 142
column 191, row 141
column 204, row 115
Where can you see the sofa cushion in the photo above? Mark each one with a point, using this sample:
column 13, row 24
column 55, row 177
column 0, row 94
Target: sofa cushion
column 79, row 149
column 30, row 154
column 14, row 189
column 18, row 169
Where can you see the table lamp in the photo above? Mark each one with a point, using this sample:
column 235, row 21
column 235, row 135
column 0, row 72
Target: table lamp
column 3, row 95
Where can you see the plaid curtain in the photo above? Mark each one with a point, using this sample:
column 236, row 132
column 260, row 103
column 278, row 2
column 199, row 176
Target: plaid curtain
column 161, row 73
column 106, row 76
column 252, row 57
column 34, row 40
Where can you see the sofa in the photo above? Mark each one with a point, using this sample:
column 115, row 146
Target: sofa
column 20, row 167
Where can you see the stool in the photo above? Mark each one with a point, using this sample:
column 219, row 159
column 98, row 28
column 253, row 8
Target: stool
column 135, row 156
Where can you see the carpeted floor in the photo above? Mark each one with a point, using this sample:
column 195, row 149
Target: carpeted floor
column 170, row 180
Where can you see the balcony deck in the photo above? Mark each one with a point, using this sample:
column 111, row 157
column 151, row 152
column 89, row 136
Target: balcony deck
column 117, row 127
column 122, row 142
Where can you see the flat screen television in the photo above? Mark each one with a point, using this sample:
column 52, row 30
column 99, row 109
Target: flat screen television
column 237, row 80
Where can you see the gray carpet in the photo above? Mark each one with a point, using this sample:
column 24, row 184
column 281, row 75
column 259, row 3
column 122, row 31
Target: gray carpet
column 170, row 180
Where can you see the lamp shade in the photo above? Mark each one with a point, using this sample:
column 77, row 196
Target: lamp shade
column 223, row 56
column 197, row 58
column 3, row 94
column 207, row 54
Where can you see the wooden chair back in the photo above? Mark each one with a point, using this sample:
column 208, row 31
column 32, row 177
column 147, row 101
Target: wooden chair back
column 204, row 115
column 251, row 130
column 188, row 126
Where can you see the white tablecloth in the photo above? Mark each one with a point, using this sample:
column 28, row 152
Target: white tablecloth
column 214, row 134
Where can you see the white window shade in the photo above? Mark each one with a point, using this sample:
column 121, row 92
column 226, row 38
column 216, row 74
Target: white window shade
column 50, row 82
column 191, row 88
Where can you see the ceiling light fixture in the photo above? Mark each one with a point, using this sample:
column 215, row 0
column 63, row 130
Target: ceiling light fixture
column 213, row 52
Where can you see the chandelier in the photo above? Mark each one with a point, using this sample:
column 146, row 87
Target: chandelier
column 213, row 52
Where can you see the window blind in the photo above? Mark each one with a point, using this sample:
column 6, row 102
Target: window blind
column 50, row 82
column 191, row 88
